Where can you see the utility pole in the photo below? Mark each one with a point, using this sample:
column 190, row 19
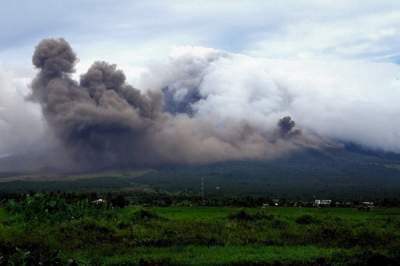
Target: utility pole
column 202, row 190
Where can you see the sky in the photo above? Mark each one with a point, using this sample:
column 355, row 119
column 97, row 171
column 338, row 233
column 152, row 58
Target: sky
column 333, row 65
column 133, row 32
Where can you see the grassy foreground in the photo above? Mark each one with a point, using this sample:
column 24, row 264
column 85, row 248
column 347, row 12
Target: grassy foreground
column 47, row 231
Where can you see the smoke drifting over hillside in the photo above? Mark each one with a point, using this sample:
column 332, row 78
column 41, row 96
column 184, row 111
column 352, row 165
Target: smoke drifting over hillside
column 200, row 106
column 102, row 121
column 339, row 100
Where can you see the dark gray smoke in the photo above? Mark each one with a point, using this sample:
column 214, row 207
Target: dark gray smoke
column 104, row 122
column 287, row 127
column 54, row 57
column 101, row 120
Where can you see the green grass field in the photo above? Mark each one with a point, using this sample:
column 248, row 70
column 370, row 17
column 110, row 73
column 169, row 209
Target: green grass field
column 50, row 232
column 227, row 255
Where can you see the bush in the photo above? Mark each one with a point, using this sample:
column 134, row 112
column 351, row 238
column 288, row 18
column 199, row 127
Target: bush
column 49, row 208
column 241, row 215
column 119, row 202
column 28, row 254
column 144, row 215
column 306, row 219
column 279, row 224
column 364, row 257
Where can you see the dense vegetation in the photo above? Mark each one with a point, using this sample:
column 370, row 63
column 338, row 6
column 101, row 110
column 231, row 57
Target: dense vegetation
column 68, row 229
column 337, row 174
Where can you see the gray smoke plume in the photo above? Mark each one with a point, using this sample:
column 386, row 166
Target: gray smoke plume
column 287, row 127
column 102, row 121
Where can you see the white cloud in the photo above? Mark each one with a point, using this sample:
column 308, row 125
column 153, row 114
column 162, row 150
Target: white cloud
column 324, row 79
column 372, row 37
column 21, row 125
column 346, row 100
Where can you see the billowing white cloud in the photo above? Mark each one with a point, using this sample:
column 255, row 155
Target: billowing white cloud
column 21, row 125
column 350, row 101
column 345, row 100
column 314, row 60
column 371, row 36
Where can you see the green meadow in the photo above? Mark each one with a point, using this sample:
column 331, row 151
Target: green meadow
column 50, row 230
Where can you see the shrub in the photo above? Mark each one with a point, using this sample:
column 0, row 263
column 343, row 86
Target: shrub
column 144, row 215
column 364, row 257
column 241, row 215
column 279, row 224
column 306, row 219
column 27, row 253
column 119, row 202
column 49, row 208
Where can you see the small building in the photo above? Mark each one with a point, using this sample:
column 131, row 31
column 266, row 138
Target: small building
column 366, row 206
column 99, row 202
column 348, row 204
column 322, row 203
column 275, row 202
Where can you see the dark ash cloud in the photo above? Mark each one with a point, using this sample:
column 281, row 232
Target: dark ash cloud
column 104, row 122
column 101, row 120
column 287, row 127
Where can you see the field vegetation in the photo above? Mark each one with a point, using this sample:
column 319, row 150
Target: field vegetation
column 63, row 229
